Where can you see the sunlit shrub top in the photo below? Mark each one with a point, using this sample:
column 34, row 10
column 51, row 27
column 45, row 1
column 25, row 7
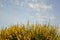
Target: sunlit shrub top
column 30, row 32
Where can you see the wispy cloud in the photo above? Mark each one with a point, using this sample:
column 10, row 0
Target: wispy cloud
column 43, row 18
column 42, row 7
column 36, row 10
column 38, row 7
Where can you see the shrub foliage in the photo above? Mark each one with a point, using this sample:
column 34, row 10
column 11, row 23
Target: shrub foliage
column 30, row 32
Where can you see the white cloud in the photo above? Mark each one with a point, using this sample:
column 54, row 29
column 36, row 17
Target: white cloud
column 39, row 15
column 38, row 7
column 46, row 7
column 43, row 18
column 34, row 6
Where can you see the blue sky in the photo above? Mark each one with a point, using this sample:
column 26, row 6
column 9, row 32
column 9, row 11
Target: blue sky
column 20, row 11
